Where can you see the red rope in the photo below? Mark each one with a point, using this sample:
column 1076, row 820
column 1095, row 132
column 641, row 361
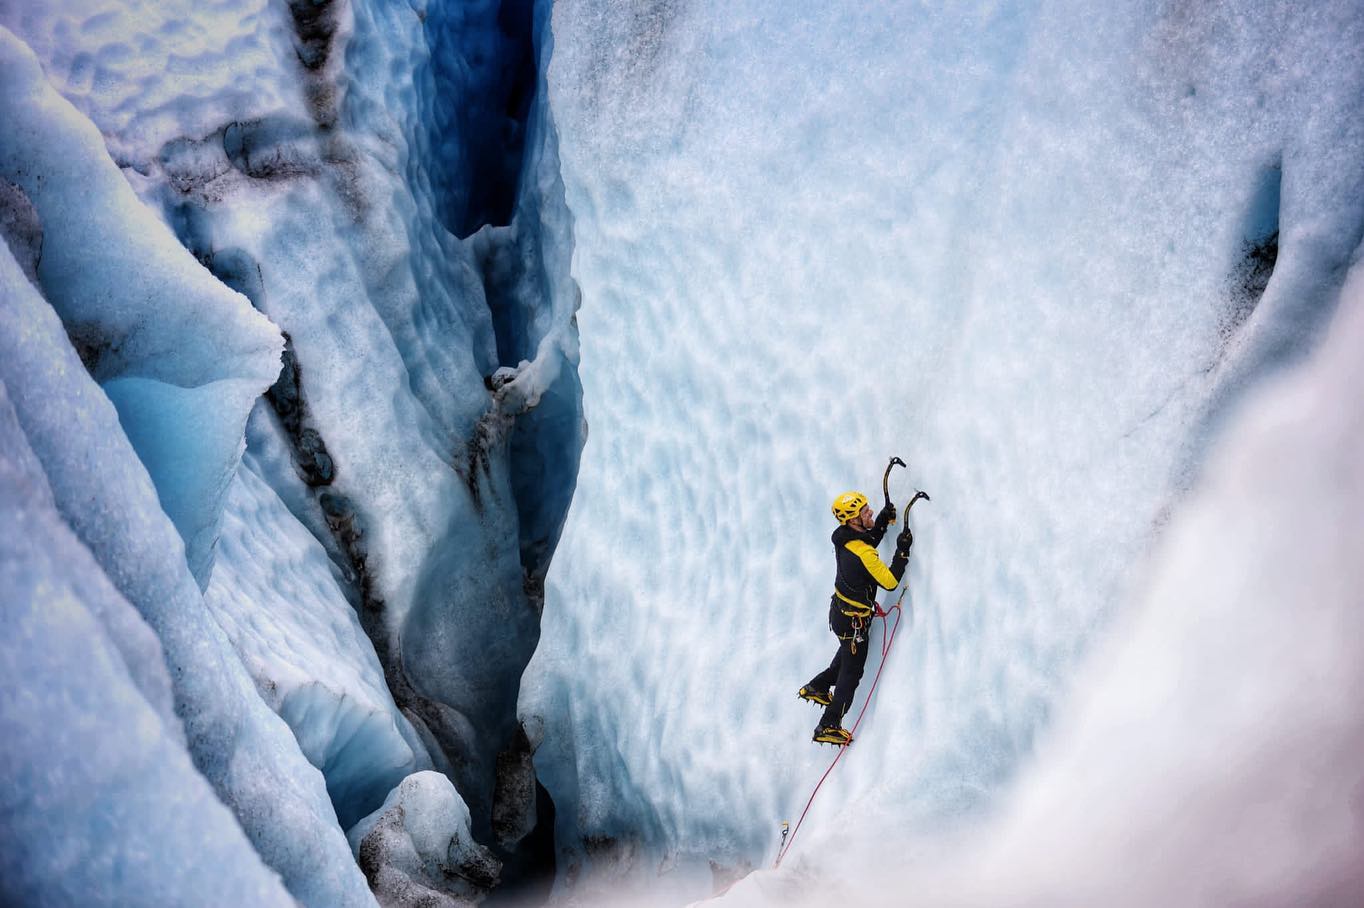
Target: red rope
column 887, row 639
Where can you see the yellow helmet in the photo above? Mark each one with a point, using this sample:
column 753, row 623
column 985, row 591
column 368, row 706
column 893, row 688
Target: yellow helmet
column 849, row 505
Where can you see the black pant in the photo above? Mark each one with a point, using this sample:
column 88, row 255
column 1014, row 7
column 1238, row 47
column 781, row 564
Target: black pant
column 845, row 671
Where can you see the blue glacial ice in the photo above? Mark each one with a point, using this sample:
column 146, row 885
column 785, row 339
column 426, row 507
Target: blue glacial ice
column 181, row 357
column 299, row 638
column 292, row 409
column 90, row 733
column 109, row 507
column 303, row 186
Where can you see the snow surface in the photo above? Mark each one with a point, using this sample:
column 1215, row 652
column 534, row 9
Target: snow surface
column 1007, row 243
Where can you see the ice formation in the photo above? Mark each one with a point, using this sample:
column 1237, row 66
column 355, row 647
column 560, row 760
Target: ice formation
column 90, row 731
column 1038, row 249
column 417, row 847
column 107, row 501
column 300, row 640
column 291, row 415
column 311, row 205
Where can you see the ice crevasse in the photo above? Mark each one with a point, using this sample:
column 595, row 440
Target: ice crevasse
column 328, row 413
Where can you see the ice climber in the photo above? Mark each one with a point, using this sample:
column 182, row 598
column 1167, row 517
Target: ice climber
column 860, row 572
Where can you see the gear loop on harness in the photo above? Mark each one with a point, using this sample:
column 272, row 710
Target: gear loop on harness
column 856, row 636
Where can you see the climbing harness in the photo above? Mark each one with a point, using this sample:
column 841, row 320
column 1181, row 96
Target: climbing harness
column 854, row 609
column 855, row 637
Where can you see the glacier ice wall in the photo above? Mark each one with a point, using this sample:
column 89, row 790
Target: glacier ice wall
column 1211, row 753
column 180, row 355
column 301, row 641
column 1038, row 250
column 378, row 184
column 62, row 794
column 144, row 825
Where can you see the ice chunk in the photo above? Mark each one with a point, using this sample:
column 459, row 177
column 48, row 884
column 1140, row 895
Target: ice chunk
column 417, row 848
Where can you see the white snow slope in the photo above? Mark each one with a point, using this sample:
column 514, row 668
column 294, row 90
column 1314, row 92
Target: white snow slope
column 1024, row 246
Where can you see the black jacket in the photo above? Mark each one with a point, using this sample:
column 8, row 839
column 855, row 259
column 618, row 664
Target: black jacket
column 861, row 572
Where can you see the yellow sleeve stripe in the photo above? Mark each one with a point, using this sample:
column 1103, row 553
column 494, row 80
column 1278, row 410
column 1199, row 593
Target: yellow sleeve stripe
column 875, row 566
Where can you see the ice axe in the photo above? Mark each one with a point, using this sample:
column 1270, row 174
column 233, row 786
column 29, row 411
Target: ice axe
column 885, row 480
column 918, row 493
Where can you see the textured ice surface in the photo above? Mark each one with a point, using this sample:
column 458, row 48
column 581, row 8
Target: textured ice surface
column 380, row 181
column 417, row 848
column 180, row 355
column 1211, row 755
column 99, row 804
column 274, row 595
column 1014, row 245
column 101, row 783
column 103, row 492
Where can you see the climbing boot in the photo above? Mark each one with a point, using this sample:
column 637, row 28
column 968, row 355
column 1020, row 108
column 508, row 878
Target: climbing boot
column 832, row 734
column 815, row 696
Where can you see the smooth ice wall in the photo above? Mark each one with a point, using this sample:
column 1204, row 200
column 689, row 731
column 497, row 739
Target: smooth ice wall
column 1014, row 245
